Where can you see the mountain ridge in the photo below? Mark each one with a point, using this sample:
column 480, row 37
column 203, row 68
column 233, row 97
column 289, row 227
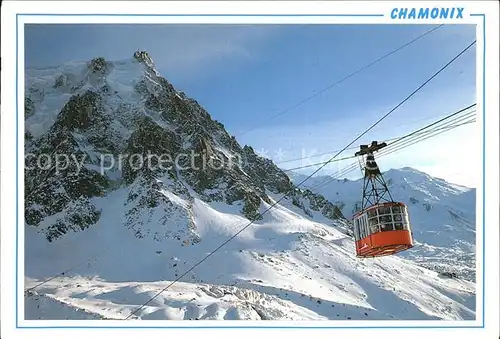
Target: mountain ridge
column 155, row 120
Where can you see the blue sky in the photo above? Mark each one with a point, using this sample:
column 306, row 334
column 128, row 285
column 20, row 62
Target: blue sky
column 243, row 75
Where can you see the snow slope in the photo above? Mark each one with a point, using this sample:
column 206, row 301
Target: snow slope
column 442, row 214
column 282, row 267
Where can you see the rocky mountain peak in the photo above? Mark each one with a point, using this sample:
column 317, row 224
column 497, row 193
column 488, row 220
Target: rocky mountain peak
column 120, row 126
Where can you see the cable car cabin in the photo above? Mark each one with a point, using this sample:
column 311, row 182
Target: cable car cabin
column 382, row 229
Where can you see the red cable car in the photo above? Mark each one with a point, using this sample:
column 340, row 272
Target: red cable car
column 382, row 226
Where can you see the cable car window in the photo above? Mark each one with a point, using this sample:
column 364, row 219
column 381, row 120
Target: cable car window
column 398, row 217
column 372, row 213
column 384, row 210
column 386, row 227
column 358, row 229
column 396, row 209
column 365, row 227
column 385, row 218
column 374, row 228
column 399, row 226
column 386, row 223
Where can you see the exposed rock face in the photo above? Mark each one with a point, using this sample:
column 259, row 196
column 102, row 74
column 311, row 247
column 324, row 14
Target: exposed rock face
column 124, row 126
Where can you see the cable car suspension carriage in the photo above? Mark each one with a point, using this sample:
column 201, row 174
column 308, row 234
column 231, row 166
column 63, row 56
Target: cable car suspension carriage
column 382, row 226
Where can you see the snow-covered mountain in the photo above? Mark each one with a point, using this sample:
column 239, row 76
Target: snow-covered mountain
column 442, row 214
column 101, row 208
